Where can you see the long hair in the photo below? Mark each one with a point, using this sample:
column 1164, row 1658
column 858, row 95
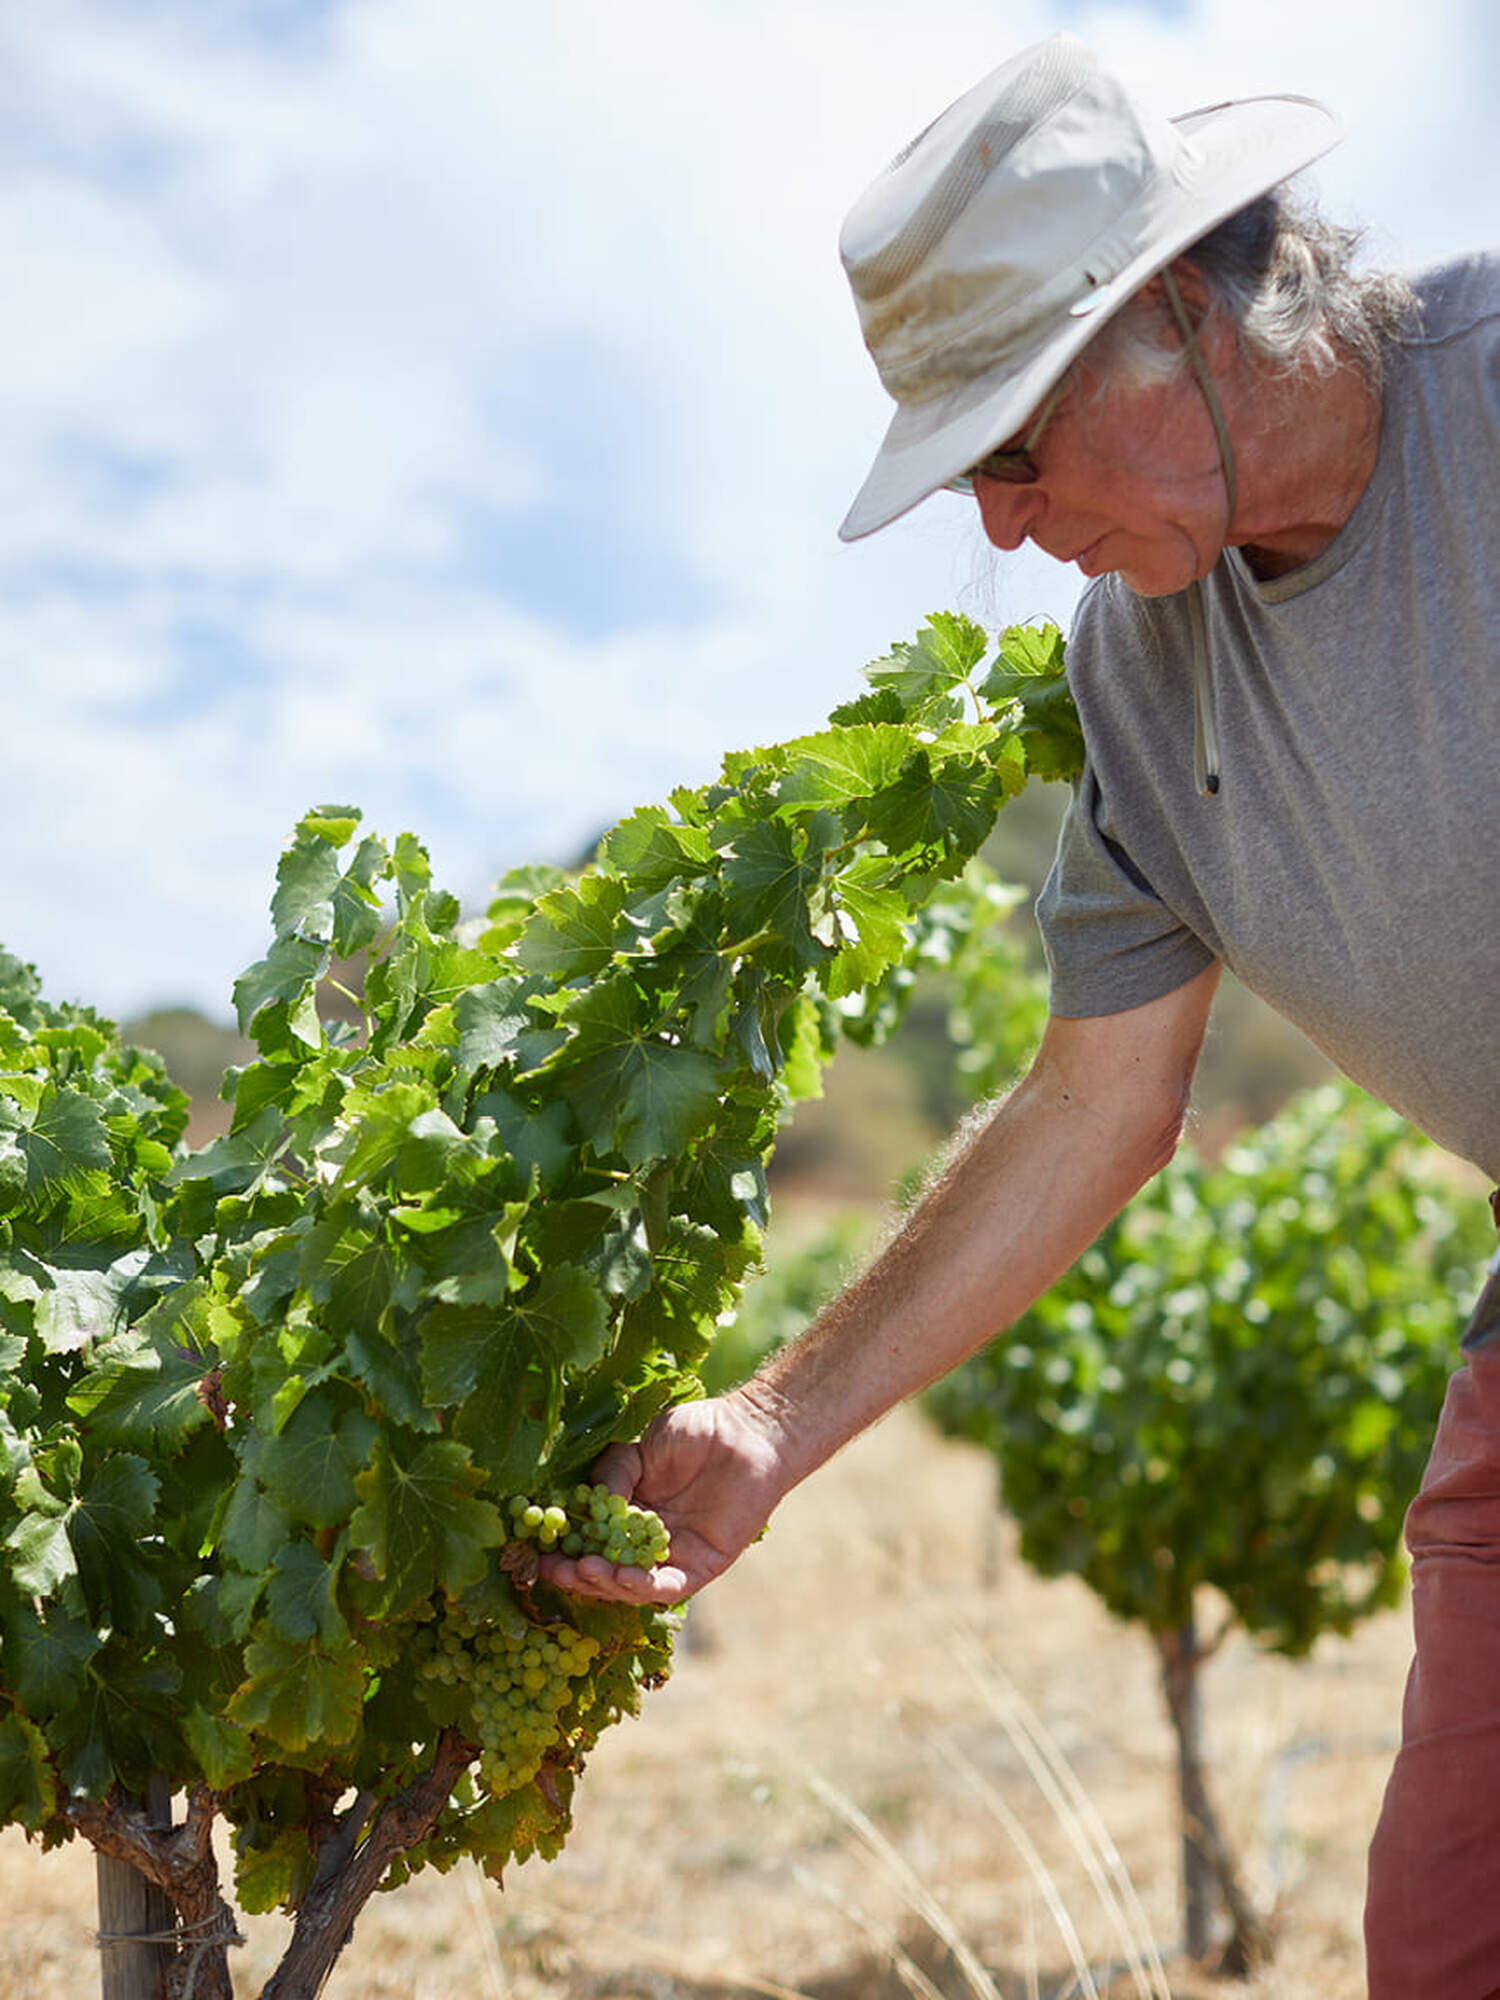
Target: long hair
column 1285, row 278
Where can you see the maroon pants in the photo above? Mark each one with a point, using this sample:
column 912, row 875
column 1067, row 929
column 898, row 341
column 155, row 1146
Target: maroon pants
column 1432, row 1915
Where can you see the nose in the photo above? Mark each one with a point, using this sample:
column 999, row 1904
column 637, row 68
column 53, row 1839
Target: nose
column 1008, row 511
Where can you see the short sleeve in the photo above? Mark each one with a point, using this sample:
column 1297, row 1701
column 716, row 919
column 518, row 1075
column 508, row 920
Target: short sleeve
column 1111, row 942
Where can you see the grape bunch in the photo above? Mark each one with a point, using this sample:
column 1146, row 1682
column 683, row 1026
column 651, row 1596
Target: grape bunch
column 591, row 1521
column 517, row 1678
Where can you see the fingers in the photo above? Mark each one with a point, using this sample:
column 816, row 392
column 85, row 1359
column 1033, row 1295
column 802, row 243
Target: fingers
column 592, row 1576
column 619, row 1467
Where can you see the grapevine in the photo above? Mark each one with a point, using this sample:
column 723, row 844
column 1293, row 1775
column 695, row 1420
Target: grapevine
column 1234, row 1392
column 286, row 1422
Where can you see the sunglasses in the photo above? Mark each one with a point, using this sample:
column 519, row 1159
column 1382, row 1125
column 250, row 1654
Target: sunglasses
column 1012, row 462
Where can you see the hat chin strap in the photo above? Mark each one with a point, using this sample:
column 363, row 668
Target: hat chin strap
column 1205, row 733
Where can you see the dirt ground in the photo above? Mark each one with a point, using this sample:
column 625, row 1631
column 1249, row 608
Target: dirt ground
column 826, row 1800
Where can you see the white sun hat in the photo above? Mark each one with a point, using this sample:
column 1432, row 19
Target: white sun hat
column 992, row 249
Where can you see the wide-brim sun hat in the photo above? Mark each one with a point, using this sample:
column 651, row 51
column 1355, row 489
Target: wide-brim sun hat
column 993, row 248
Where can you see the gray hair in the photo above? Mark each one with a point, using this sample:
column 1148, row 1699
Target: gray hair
column 1284, row 276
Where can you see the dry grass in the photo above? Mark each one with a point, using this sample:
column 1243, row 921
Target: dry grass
column 861, row 1669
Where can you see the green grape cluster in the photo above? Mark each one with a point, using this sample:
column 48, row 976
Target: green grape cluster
column 517, row 1679
column 592, row 1521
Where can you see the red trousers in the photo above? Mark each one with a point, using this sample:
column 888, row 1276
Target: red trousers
column 1432, row 1915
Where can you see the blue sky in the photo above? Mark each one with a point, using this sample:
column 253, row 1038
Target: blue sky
column 448, row 408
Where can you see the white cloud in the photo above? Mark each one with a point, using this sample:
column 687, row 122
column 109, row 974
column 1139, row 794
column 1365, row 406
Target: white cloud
column 450, row 409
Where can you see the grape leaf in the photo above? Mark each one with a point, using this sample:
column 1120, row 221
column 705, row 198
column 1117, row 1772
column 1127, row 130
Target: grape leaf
column 45, row 1659
column 224, row 1751
column 28, row 1788
column 301, row 1597
column 298, row 1695
column 306, row 881
column 633, row 1089
column 106, row 1526
column 839, row 766
column 287, row 974
column 421, row 1520
column 309, row 1468
column 65, row 1141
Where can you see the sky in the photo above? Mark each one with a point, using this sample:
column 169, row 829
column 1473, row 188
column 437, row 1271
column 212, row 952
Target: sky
column 447, row 407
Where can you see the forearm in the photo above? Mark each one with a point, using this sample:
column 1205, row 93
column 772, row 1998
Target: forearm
column 1016, row 1208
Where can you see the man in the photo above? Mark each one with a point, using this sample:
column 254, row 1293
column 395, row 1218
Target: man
column 1136, row 352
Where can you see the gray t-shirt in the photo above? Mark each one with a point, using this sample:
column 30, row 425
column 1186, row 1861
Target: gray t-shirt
column 1349, row 868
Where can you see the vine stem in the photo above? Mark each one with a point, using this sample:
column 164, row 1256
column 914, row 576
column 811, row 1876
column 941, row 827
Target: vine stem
column 352, row 1864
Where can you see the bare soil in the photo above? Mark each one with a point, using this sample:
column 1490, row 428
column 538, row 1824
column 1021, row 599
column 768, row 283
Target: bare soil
column 853, row 1664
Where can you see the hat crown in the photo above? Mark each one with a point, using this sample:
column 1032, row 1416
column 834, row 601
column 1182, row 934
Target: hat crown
column 906, row 212
column 987, row 218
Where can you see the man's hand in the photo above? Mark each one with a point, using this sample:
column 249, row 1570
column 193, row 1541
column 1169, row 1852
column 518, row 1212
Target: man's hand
column 713, row 1471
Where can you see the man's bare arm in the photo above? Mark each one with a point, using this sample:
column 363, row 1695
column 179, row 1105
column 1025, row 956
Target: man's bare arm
column 1099, row 1112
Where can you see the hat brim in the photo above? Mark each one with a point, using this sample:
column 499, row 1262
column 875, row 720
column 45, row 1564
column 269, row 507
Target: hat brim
column 1236, row 152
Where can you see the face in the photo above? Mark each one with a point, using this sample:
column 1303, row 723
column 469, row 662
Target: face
column 1130, row 481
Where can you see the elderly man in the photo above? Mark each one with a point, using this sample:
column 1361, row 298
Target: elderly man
column 1135, row 350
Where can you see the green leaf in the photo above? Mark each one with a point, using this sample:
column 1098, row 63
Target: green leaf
column 45, row 1660
column 473, row 1264
column 306, row 880
column 42, row 1556
column 633, row 1089
column 299, row 1696
column 1029, row 673
column 242, row 1158
column 335, row 824
column 495, row 1023
column 650, row 849
column 302, row 1597
column 106, row 1526
column 562, row 1316
column 66, row 1140
column 224, row 1751
column 943, row 655
column 125, row 1726
column 77, row 1304
column 255, row 1522
column 389, row 1375
column 561, row 1322
column 413, row 870
column 309, row 1468
column 455, row 1341
column 287, row 973
column 28, row 1789
column 510, row 1418
column 572, row 934
column 356, row 906
column 771, row 873
column 878, row 705
column 839, row 766
column 872, row 926
column 1032, row 650
column 537, row 1140
column 374, row 1127
column 422, row 1522
column 273, row 1873
column 945, row 809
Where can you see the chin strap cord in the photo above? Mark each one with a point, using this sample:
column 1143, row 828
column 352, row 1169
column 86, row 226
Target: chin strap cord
column 1206, row 762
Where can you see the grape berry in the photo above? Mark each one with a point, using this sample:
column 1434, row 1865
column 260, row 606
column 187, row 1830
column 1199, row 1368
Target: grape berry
column 592, row 1521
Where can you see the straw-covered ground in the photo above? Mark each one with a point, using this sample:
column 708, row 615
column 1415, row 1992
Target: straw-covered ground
column 834, row 1797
